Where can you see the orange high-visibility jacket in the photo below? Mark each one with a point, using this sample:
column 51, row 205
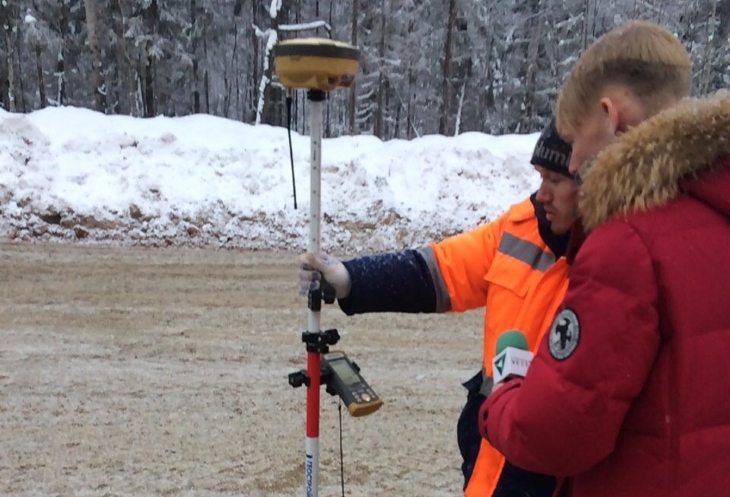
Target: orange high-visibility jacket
column 505, row 266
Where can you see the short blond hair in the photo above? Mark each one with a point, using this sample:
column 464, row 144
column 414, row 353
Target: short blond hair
column 641, row 56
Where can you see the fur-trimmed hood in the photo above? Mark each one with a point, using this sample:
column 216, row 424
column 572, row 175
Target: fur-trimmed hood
column 646, row 165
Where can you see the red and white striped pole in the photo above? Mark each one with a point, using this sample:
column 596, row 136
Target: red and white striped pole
column 314, row 358
column 319, row 65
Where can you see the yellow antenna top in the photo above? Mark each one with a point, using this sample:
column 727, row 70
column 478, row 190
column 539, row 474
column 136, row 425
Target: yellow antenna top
column 315, row 63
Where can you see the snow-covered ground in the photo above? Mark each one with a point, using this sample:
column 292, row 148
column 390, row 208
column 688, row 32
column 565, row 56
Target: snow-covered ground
column 70, row 174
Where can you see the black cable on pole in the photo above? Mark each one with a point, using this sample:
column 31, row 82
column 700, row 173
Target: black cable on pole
column 291, row 150
column 342, row 457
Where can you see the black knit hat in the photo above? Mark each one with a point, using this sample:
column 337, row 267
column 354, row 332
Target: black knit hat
column 551, row 152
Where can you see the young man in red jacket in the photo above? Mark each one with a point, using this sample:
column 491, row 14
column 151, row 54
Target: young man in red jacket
column 627, row 395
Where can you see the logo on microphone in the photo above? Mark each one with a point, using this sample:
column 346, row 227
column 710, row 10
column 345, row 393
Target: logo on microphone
column 564, row 334
column 499, row 364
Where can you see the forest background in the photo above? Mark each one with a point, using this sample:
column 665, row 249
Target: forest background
column 427, row 67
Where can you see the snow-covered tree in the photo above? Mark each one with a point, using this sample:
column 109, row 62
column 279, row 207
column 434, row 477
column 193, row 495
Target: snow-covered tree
column 425, row 67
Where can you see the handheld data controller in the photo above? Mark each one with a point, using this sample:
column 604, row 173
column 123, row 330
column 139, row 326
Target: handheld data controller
column 346, row 382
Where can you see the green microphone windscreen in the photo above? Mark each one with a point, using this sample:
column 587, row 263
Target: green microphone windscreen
column 511, row 338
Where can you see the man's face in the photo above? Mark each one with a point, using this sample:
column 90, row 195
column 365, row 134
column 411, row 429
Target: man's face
column 559, row 195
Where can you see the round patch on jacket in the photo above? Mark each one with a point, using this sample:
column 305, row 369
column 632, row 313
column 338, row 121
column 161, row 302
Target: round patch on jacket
column 564, row 334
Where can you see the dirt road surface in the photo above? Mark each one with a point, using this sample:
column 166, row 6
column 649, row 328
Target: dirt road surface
column 162, row 372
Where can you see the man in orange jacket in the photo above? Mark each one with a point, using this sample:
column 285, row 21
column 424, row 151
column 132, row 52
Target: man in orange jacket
column 514, row 266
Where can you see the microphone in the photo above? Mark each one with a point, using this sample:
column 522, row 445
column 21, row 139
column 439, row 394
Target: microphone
column 511, row 357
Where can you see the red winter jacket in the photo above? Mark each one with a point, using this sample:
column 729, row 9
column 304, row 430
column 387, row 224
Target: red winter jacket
column 629, row 393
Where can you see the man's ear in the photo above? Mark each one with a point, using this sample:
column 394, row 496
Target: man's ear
column 610, row 111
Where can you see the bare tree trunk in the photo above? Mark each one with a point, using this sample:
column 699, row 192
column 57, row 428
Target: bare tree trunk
column 7, row 21
column 411, row 103
column 659, row 14
column 352, row 104
column 124, row 62
column 316, row 15
column 264, row 112
column 194, row 42
column 20, row 97
column 116, row 95
column 61, row 79
column 707, row 71
column 151, row 17
column 396, row 128
column 97, row 75
column 234, row 75
column 116, row 106
column 39, row 70
column 140, row 102
column 489, row 59
column 594, row 24
column 60, row 74
column 692, row 28
column 237, row 8
column 227, row 94
column 237, row 72
column 379, row 111
column 206, row 77
column 723, row 19
column 446, row 82
column 12, row 92
column 411, row 108
column 457, row 126
column 584, row 34
column 269, row 71
column 255, row 46
column 149, row 88
column 533, row 50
